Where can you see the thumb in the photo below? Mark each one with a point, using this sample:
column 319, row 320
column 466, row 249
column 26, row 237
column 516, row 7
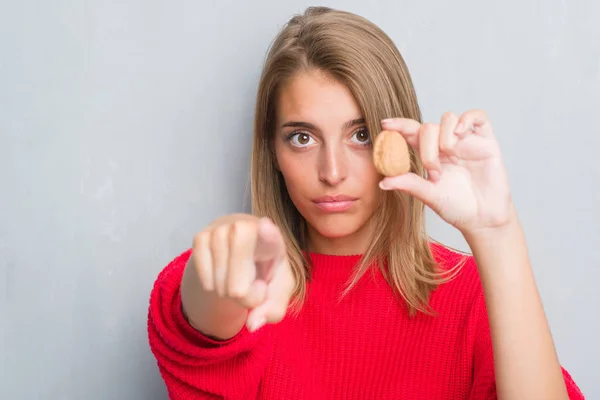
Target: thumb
column 275, row 306
column 272, row 311
column 412, row 184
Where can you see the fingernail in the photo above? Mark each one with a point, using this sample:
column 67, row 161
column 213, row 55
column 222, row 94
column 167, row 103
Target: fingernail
column 460, row 128
column 257, row 324
column 387, row 120
column 384, row 185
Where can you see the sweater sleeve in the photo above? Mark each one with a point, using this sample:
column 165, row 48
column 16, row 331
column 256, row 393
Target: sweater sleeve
column 484, row 383
column 192, row 365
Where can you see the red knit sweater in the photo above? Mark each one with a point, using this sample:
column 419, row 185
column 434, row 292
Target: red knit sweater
column 362, row 347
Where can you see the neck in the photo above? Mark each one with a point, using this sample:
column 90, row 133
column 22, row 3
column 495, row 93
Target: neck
column 354, row 243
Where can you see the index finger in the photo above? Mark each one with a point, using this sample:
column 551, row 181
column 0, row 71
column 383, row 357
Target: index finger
column 269, row 242
column 409, row 128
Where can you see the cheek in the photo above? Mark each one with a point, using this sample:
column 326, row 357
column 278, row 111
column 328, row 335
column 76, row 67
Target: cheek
column 366, row 176
column 297, row 173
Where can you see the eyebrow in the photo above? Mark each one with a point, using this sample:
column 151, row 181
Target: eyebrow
column 308, row 125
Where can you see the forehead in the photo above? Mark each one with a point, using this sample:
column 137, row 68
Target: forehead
column 314, row 96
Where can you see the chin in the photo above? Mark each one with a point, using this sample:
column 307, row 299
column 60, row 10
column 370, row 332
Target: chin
column 335, row 226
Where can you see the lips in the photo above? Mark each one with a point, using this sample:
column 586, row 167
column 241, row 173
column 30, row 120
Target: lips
column 338, row 203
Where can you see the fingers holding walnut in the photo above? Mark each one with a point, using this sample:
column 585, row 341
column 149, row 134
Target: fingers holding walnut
column 390, row 154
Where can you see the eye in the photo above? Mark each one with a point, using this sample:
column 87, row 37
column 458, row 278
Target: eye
column 300, row 139
column 362, row 137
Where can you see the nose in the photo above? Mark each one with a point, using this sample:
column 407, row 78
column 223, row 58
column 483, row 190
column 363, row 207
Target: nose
column 333, row 166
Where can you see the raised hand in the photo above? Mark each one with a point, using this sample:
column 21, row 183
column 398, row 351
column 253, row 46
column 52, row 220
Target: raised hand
column 467, row 183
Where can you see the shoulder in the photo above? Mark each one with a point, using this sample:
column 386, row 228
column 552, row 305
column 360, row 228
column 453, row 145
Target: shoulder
column 447, row 256
column 449, row 259
column 462, row 283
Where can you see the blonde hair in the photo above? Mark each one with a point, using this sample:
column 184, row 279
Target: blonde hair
column 361, row 56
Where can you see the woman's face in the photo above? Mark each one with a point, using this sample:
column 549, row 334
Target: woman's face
column 324, row 152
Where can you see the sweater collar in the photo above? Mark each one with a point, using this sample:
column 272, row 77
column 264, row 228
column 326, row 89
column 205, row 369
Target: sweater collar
column 332, row 266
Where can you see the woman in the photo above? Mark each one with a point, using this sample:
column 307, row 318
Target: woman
column 331, row 288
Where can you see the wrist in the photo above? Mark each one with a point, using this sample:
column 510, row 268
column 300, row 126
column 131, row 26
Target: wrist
column 507, row 227
column 499, row 251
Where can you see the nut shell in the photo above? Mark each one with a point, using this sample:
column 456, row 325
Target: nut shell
column 390, row 154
